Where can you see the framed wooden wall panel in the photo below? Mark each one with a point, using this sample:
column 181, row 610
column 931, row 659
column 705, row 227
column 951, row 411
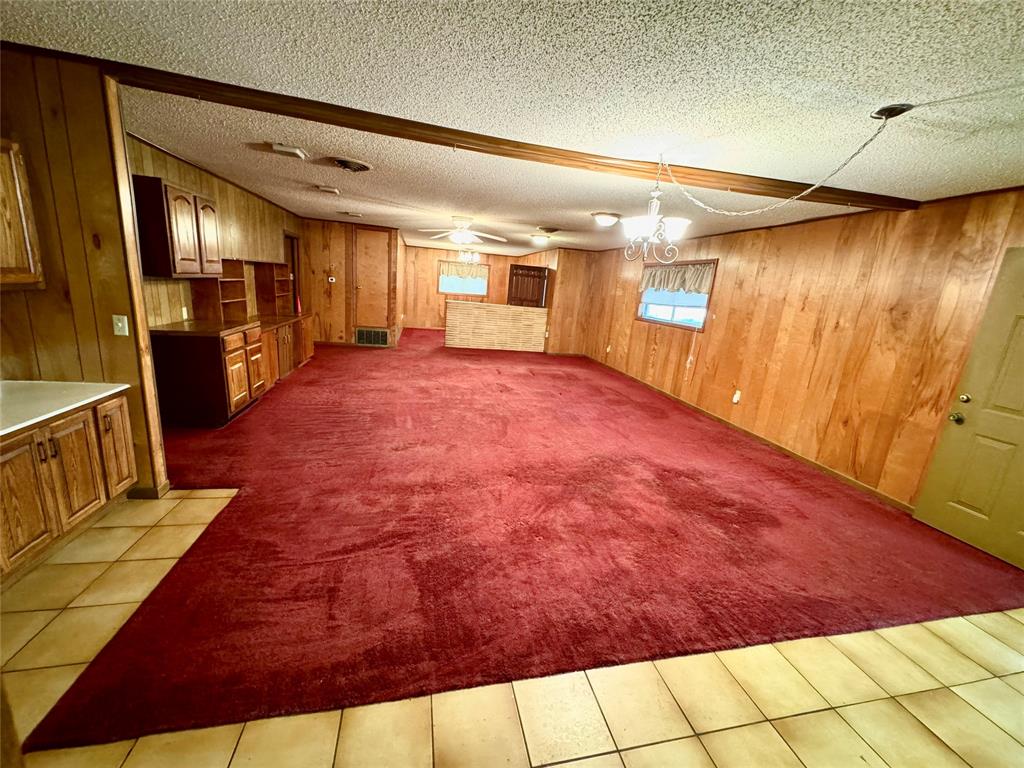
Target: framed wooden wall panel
column 845, row 336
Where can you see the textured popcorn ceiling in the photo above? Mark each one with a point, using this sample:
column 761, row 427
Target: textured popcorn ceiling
column 779, row 89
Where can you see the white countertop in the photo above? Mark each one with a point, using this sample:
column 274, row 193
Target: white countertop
column 27, row 403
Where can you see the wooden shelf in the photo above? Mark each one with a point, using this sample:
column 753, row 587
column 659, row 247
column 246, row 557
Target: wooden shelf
column 231, row 301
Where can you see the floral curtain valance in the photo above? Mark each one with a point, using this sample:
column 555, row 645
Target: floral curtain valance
column 691, row 278
column 463, row 269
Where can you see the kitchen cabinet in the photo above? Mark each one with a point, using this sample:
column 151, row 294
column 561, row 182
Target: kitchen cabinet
column 54, row 472
column 20, row 259
column 208, row 229
column 236, row 368
column 256, row 368
column 73, row 456
column 28, row 522
column 203, row 370
column 269, row 342
column 117, row 445
column 285, row 349
column 179, row 232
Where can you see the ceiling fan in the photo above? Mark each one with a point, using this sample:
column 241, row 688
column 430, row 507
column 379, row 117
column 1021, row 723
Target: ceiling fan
column 461, row 234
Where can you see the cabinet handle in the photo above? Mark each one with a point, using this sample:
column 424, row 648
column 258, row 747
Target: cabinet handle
column 53, row 447
column 107, row 424
column 41, row 452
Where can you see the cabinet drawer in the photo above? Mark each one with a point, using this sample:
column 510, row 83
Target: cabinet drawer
column 234, row 341
column 252, row 335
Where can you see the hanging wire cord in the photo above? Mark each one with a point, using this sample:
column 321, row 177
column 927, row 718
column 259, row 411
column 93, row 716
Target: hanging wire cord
column 711, row 209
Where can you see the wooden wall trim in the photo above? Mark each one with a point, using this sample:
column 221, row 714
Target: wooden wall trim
column 147, row 376
column 412, row 130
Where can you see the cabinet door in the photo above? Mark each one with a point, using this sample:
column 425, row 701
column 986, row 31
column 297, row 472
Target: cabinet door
column 181, row 224
column 118, row 445
column 74, row 459
column 27, row 523
column 284, row 351
column 19, row 242
column 306, row 324
column 257, row 369
column 209, row 237
column 236, row 368
column 270, row 368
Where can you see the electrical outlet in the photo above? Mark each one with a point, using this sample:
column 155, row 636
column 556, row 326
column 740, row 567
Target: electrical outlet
column 120, row 325
column 736, row 397
column 184, row 313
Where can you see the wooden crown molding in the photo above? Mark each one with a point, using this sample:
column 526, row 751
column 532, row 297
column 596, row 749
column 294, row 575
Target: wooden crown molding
column 412, row 130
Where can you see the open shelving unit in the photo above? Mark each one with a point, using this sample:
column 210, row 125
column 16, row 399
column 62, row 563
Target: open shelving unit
column 275, row 289
column 223, row 299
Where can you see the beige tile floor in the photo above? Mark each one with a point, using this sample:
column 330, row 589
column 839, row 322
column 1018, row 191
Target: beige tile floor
column 947, row 692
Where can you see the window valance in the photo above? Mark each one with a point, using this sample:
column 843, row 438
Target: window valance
column 691, row 278
column 463, row 269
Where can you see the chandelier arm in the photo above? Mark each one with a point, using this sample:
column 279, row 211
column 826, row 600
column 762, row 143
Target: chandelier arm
column 780, row 203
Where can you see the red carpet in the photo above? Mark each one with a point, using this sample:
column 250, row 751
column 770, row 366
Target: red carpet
column 423, row 519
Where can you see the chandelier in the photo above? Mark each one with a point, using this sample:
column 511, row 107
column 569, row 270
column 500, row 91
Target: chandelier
column 469, row 257
column 654, row 235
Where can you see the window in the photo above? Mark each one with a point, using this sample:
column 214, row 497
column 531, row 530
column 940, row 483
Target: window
column 677, row 294
column 462, row 279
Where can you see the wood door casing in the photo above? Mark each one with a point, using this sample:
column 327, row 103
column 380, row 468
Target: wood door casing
column 27, row 498
column 236, row 369
column 975, row 484
column 372, row 277
column 116, row 443
column 208, row 232
column 75, row 466
column 181, row 225
column 20, row 258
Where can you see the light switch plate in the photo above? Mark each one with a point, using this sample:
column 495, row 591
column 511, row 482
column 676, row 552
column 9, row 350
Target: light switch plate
column 120, row 325
column 184, row 313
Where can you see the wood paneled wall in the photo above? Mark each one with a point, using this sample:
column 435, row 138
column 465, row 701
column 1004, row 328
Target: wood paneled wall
column 328, row 250
column 165, row 299
column 251, row 228
column 424, row 307
column 846, row 336
column 57, row 111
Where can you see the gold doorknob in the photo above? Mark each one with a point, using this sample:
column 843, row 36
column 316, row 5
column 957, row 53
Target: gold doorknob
column 956, row 418
column 964, row 398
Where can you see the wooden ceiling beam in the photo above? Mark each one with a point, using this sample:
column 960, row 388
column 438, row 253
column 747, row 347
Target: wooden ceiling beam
column 412, row 130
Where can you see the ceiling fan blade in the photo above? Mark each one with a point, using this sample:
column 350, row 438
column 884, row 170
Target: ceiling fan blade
column 444, row 233
column 433, row 230
column 490, row 237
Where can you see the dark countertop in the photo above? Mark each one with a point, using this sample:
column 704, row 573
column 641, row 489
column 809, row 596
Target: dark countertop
column 215, row 328
column 201, row 328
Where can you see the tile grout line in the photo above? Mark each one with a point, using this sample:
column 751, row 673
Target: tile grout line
column 519, row 717
column 965, row 701
column 674, row 699
column 337, row 738
column 600, row 709
column 964, row 653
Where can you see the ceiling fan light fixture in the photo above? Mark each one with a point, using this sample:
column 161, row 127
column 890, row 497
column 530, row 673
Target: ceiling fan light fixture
column 328, row 190
column 605, row 219
column 540, row 238
column 462, row 237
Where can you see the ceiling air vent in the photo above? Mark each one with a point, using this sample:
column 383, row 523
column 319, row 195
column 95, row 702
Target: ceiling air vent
column 372, row 337
column 348, row 164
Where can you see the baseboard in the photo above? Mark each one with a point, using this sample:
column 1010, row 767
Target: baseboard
column 762, row 439
column 149, row 492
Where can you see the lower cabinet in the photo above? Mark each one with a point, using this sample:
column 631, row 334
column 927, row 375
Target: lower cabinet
column 306, row 332
column 270, row 365
column 285, row 350
column 57, row 475
column 74, row 460
column 117, row 445
column 29, row 522
column 257, row 369
column 236, row 370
